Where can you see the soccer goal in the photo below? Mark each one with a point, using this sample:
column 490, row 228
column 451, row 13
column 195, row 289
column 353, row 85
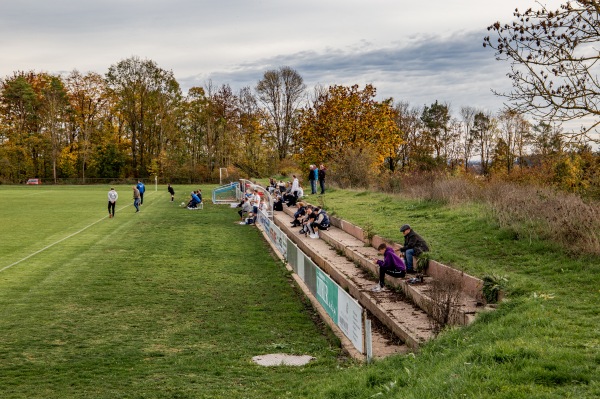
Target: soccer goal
column 226, row 194
column 223, row 174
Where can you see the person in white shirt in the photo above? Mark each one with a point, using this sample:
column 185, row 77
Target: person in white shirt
column 112, row 202
column 295, row 186
column 255, row 201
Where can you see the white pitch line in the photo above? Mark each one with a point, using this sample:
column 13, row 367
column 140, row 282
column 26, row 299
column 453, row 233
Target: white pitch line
column 57, row 242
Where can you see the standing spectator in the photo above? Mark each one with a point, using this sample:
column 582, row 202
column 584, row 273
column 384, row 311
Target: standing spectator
column 312, row 178
column 391, row 264
column 322, row 178
column 255, row 202
column 172, row 192
column 414, row 245
column 142, row 189
column 136, row 198
column 112, row 202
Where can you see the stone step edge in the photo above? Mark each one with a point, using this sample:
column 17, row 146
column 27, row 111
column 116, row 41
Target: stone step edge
column 362, row 297
column 472, row 286
column 420, row 299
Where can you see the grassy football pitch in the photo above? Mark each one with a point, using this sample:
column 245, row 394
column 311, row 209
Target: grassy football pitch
column 164, row 303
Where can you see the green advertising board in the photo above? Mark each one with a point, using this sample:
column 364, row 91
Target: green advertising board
column 327, row 294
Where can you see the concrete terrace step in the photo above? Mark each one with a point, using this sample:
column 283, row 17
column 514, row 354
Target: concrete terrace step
column 408, row 322
column 361, row 253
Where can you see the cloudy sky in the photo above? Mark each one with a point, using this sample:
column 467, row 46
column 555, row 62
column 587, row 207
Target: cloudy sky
column 415, row 51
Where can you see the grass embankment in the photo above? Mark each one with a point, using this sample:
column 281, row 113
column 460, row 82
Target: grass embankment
column 165, row 303
column 542, row 342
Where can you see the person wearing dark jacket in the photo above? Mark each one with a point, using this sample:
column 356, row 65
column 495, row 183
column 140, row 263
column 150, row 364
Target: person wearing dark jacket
column 414, row 245
column 391, row 265
column 322, row 178
column 312, row 178
column 299, row 214
column 171, row 191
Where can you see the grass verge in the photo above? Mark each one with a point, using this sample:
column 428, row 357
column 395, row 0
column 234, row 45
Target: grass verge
column 542, row 342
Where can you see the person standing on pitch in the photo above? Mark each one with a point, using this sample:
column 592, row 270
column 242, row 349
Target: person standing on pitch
column 136, row 198
column 142, row 189
column 112, row 201
column 172, row 192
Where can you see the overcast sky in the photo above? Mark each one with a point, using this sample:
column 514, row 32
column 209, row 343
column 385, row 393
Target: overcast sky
column 415, row 51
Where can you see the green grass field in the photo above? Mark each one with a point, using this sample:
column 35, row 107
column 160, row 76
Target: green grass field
column 170, row 303
column 167, row 303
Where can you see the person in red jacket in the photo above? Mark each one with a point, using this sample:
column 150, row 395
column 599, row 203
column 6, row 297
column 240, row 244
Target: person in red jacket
column 391, row 265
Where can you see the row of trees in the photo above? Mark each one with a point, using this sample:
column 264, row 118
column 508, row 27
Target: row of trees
column 135, row 121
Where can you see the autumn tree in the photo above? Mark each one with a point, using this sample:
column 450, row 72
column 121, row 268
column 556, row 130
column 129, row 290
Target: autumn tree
column 436, row 120
column 55, row 109
column 144, row 95
column 515, row 134
column 554, row 63
column 221, row 125
column 281, row 91
column 467, row 115
column 344, row 118
column 485, row 131
column 416, row 150
column 88, row 102
column 254, row 153
column 19, row 105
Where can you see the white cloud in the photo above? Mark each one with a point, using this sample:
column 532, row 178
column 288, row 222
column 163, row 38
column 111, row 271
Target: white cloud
column 417, row 51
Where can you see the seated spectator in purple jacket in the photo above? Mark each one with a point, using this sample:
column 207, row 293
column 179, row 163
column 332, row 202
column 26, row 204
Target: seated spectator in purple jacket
column 391, row 265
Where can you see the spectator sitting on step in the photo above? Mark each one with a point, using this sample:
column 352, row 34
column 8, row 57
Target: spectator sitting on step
column 277, row 201
column 272, row 185
column 391, row 265
column 414, row 245
column 287, row 193
column 320, row 223
column 295, row 185
column 309, row 217
column 281, row 187
column 299, row 214
column 292, row 199
column 251, row 219
column 300, row 193
column 246, row 208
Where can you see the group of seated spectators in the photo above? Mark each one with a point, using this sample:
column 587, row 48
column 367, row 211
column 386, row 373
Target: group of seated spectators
column 311, row 218
column 250, row 205
column 195, row 200
column 285, row 193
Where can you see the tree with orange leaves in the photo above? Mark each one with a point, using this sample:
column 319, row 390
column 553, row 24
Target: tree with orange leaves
column 346, row 118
